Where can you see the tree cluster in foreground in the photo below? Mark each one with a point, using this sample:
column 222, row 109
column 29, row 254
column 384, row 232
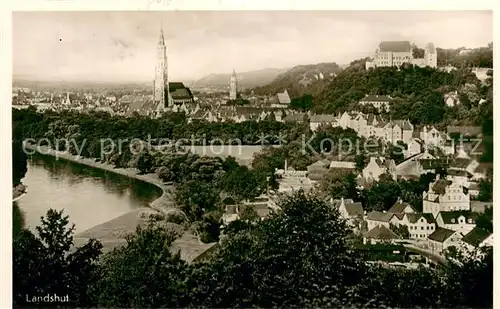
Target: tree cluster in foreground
column 297, row 257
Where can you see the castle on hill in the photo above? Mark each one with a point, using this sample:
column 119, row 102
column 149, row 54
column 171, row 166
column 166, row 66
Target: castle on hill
column 396, row 53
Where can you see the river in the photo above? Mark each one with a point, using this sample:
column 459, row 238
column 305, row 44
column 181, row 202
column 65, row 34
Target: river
column 89, row 196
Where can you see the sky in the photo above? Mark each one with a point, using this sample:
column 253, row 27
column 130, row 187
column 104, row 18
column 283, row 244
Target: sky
column 121, row 46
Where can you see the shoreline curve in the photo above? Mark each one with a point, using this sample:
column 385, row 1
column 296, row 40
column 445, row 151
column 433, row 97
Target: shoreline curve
column 163, row 203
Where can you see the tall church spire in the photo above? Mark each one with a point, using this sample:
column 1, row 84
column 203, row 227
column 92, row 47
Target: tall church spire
column 233, row 87
column 162, row 38
column 161, row 93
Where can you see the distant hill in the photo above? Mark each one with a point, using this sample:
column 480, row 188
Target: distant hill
column 73, row 85
column 311, row 78
column 246, row 80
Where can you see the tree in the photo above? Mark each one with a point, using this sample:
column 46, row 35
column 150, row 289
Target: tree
column 485, row 191
column 267, row 265
column 485, row 220
column 360, row 161
column 381, row 196
column 248, row 214
column 143, row 273
column 145, row 162
column 339, row 183
column 19, row 162
column 401, row 230
column 44, row 265
column 396, row 152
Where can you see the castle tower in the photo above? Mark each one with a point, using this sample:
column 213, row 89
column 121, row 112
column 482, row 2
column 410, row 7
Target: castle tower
column 430, row 55
column 232, row 87
column 161, row 94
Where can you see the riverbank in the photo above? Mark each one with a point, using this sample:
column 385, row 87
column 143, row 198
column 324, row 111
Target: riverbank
column 163, row 204
column 112, row 233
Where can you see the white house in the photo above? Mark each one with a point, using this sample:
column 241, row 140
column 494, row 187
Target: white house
column 283, row 98
column 347, row 120
column 326, row 119
column 460, row 221
column 380, row 102
column 432, row 137
column 378, row 218
column 442, row 239
column 377, row 167
column 415, row 146
column 351, row 211
column 445, row 195
column 459, row 177
column 420, row 225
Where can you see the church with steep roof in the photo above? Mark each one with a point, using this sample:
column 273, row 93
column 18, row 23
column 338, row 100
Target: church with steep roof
column 167, row 94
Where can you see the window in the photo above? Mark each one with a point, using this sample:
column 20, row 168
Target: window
column 422, row 228
column 427, row 227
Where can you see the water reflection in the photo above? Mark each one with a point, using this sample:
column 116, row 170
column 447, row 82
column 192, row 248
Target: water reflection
column 89, row 196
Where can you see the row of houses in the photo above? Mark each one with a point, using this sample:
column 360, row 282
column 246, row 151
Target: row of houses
column 434, row 233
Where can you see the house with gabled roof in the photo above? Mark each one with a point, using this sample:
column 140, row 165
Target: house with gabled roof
column 380, row 102
column 420, row 225
column 379, row 166
column 443, row 238
column 415, row 146
column 460, row 221
column 445, row 195
column 345, row 120
column 477, row 238
column 322, row 120
column 351, row 211
column 401, row 207
column 380, row 234
column 283, row 98
column 461, row 177
column 432, row 136
column 376, row 218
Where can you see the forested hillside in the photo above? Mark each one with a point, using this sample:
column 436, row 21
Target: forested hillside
column 478, row 57
column 418, row 92
column 302, row 79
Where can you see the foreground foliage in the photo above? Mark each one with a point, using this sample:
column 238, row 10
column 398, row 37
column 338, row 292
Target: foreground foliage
column 297, row 257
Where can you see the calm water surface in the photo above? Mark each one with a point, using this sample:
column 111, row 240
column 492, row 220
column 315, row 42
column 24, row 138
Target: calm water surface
column 89, row 196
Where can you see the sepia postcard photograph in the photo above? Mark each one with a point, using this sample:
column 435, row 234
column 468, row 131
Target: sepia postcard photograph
column 251, row 159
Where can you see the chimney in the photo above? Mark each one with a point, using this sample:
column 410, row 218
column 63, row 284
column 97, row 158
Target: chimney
column 286, row 165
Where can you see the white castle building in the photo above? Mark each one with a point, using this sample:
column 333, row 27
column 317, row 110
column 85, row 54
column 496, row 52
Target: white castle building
column 396, row 53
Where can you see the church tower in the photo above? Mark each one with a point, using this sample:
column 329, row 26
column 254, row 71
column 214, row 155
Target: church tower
column 430, row 55
column 161, row 94
column 232, row 87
